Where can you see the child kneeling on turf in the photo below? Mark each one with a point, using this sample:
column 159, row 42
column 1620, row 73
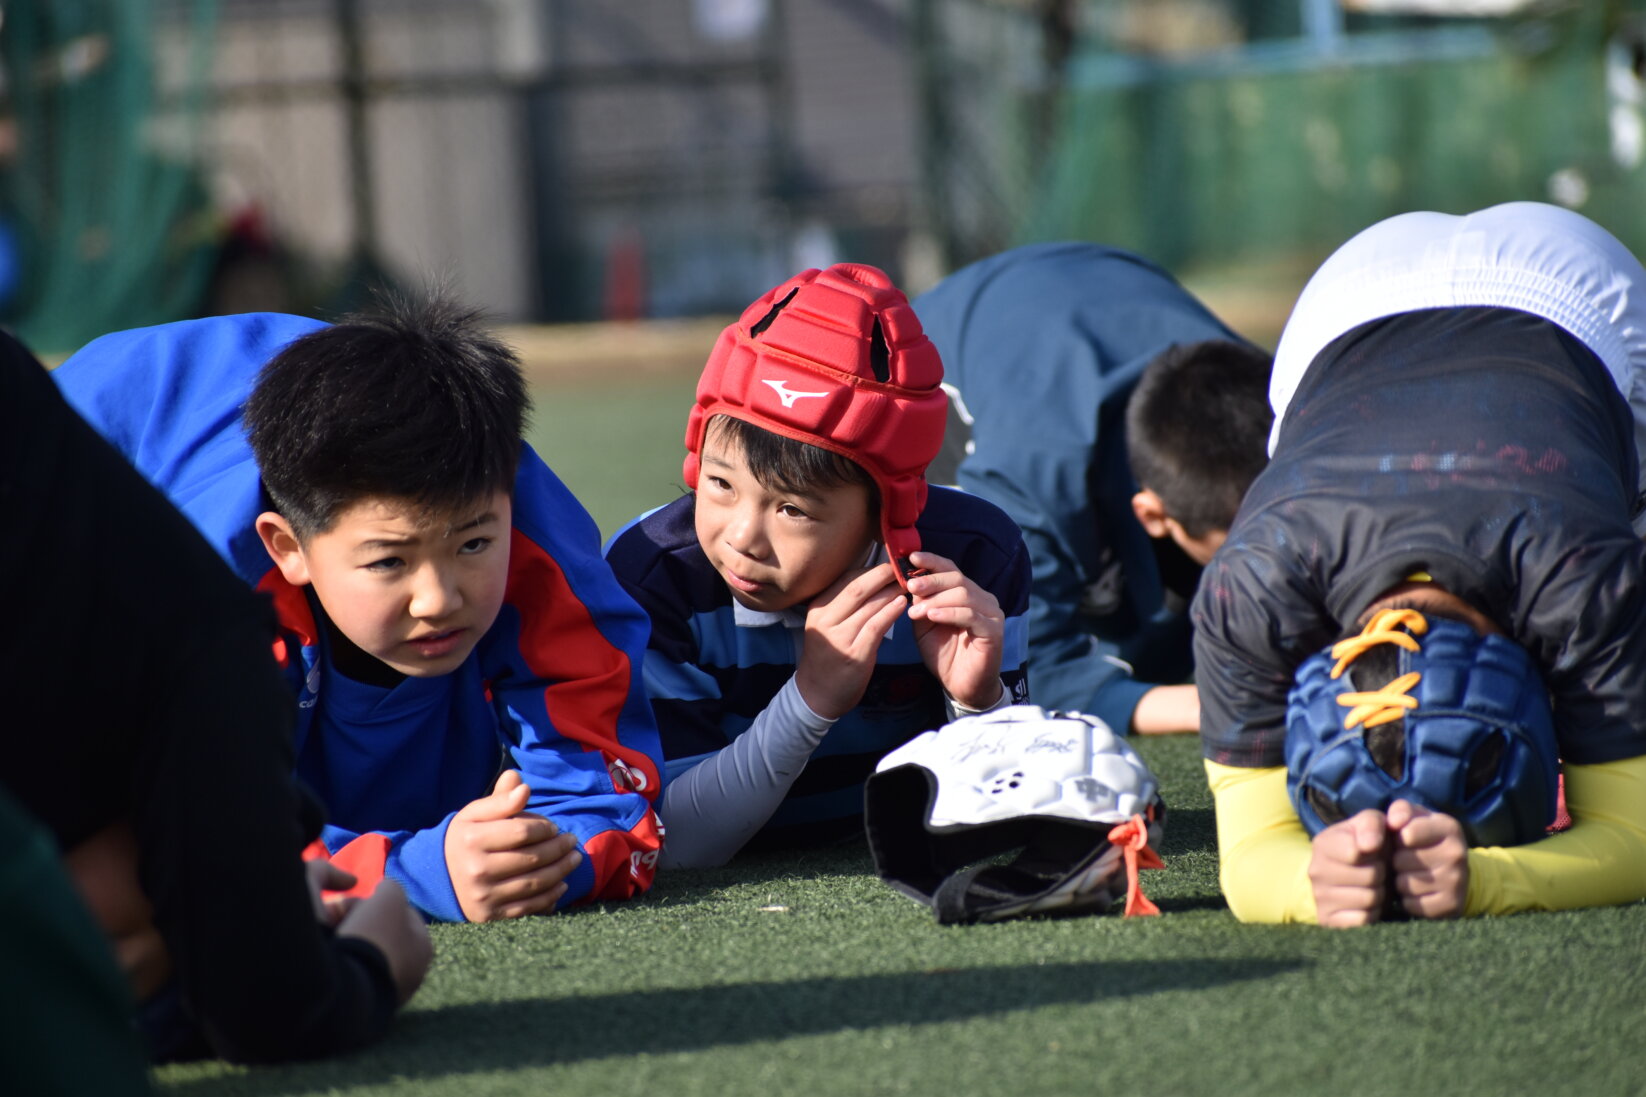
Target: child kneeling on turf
column 1453, row 474
column 444, row 609
column 813, row 603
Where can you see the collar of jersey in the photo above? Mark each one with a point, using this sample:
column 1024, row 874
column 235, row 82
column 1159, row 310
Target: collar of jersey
column 794, row 616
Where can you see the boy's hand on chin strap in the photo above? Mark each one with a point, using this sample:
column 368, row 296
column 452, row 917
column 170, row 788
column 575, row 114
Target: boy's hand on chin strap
column 1430, row 861
column 844, row 627
column 1349, row 870
column 504, row 861
column 960, row 629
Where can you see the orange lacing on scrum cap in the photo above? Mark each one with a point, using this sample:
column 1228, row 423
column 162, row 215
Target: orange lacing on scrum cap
column 1380, row 706
column 1132, row 837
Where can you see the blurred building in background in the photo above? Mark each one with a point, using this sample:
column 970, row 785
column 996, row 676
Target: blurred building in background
column 584, row 159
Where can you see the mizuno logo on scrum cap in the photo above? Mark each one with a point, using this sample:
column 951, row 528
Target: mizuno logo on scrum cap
column 788, row 395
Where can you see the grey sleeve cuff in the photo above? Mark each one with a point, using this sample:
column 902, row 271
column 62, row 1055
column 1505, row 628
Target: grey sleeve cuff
column 956, row 710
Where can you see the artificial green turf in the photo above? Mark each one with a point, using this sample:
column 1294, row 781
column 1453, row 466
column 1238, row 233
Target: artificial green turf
column 701, row 987
column 619, row 453
column 804, row 974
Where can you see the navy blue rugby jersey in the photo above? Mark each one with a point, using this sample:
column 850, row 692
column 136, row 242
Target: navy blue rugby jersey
column 1485, row 446
column 712, row 667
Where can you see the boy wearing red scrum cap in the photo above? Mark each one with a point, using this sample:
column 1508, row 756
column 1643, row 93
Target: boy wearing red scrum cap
column 813, row 603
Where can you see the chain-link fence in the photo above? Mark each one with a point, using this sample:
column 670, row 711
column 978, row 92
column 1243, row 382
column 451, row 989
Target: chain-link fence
column 577, row 159
column 548, row 159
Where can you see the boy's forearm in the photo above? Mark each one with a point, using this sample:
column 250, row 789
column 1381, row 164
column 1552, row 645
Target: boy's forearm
column 1165, row 710
column 103, row 869
column 416, row 860
column 1600, row 861
column 610, row 811
column 713, row 809
column 1263, row 850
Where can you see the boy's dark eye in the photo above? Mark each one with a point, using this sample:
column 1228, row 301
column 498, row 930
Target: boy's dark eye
column 474, row 545
column 387, row 563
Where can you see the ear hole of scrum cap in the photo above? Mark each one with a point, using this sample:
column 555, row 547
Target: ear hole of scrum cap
column 1324, row 807
column 1484, row 765
column 880, row 355
column 1386, row 743
column 766, row 320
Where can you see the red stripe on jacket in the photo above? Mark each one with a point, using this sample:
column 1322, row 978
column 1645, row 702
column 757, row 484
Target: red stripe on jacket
column 590, row 676
column 624, row 862
column 291, row 609
column 364, row 858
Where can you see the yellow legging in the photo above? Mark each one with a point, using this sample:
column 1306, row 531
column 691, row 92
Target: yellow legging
column 1264, row 850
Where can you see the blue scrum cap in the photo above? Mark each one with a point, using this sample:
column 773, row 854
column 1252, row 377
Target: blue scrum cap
column 1462, row 725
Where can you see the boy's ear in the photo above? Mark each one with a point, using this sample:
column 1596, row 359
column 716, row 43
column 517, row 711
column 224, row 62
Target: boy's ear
column 1151, row 513
column 283, row 547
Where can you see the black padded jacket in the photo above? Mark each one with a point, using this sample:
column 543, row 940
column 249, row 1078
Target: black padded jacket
column 1485, row 446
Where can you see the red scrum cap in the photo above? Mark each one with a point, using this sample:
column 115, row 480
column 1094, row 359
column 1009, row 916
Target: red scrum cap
column 836, row 359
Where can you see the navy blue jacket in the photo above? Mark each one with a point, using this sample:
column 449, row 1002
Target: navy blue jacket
column 550, row 690
column 1041, row 348
column 1484, row 446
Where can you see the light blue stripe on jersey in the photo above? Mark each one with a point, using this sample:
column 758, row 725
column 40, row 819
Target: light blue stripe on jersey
column 1016, row 643
column 674, row 767
column 898, row 648
column 621, row 530
column 721, row 643
column 775, row 645
column 678, row 681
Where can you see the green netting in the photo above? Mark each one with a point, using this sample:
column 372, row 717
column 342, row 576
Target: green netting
column 104, row 191
column 1285, row 148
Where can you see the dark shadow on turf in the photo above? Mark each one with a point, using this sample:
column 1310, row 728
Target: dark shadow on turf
column 1189, row 829
column 1193, row 902
column 542, row 1032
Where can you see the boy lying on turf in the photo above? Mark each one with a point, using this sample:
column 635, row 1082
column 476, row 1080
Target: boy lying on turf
column 444, row 609
column 812, row 604
column 1458, row 404
column 1118, row 422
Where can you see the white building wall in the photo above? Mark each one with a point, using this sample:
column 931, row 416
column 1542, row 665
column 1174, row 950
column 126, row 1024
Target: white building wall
column 450, row 170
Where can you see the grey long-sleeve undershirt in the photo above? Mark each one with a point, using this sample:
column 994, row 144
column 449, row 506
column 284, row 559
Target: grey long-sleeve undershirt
column 712, row 810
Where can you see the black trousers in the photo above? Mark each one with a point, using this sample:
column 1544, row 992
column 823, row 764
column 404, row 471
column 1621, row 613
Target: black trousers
column 139, row 685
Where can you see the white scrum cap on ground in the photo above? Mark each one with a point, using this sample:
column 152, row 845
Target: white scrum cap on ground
column 1062, row 787
column 1022, row 760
